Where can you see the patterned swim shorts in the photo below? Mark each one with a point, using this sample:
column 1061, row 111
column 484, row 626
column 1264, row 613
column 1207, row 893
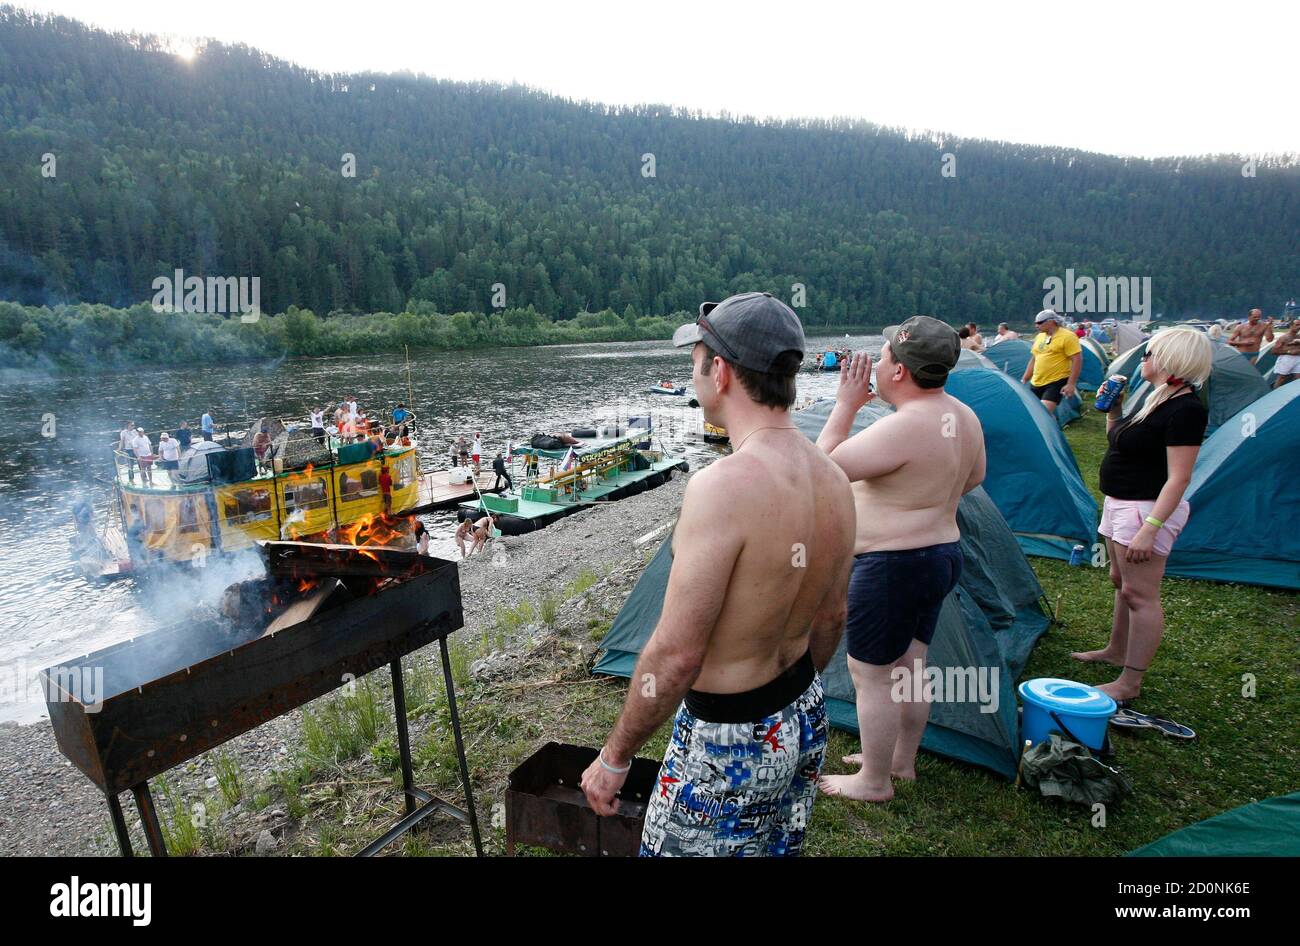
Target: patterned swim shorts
column 730, row 789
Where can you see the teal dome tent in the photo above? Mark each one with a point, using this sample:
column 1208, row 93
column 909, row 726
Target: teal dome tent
column 1244, row 515
column 1012, row 357
column 1032, row 475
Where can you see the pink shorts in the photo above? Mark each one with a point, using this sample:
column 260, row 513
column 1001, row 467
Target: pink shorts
column 1122, row 518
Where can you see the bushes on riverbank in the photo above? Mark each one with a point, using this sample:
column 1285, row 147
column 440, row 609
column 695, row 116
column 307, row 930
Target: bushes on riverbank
column 93, row 337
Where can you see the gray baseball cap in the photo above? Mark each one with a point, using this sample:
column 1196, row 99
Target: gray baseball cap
column 752, row 329
column 1047, row 315
column 928, row 347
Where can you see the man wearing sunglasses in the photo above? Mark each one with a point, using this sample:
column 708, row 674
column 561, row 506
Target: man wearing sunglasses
column 1055, row 360
column 755, row 606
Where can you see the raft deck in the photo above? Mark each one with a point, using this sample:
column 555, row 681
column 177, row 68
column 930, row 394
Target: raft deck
column 520, row 514
column 436, row 492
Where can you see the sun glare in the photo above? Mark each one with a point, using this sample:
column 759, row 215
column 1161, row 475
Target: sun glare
column 185, row 51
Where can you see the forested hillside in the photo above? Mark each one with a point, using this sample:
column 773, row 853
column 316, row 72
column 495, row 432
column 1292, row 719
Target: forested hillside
column 231, row 165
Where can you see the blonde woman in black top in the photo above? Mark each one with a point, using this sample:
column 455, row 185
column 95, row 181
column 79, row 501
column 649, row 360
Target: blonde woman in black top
column 1144, row 474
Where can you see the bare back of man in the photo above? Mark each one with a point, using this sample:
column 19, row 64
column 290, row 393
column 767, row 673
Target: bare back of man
column 754, row 607
column 786, row 510
column 920, row 459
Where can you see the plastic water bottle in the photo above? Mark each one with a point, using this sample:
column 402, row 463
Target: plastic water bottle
column 1108, row 391
column 1077, row 554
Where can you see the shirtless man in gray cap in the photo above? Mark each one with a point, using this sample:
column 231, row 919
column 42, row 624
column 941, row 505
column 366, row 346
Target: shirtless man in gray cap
column 908, row 470
column 755, row 605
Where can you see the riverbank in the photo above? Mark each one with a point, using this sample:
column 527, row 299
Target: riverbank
column 85, row 338
column 321, row 781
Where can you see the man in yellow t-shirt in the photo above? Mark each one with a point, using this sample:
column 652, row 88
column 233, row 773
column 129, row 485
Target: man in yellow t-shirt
column 1055, row 361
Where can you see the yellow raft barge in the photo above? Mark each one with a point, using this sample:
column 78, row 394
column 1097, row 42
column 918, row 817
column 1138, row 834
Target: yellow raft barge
column 200, row 508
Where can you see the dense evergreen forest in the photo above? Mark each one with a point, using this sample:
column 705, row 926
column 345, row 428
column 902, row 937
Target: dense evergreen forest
column 232, row 165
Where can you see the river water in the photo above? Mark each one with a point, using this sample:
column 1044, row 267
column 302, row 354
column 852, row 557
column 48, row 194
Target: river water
column 49, row 612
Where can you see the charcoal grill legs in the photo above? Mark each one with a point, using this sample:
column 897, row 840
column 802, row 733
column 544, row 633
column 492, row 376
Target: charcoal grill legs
column 149, row 818
column 403, row 737
column 119, row 826
column 427, row 804
column 460, row 745
column 419, row 803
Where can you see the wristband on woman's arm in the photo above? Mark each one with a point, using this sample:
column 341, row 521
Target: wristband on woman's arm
column 1153, row 521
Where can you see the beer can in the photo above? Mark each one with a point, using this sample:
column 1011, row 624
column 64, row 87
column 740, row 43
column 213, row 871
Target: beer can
column 1108, row 391
column 1077, row 555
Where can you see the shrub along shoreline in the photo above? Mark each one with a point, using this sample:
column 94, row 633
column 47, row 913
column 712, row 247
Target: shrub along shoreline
column 88, row 337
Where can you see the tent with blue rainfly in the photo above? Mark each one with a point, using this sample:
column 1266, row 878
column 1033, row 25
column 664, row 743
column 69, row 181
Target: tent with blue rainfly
column 1032, row 475
column 1267, row 828
column 987, row 628
column 1093, row 370
column 1095, row 363
column 1244, row 515
column 1233, row 385
column 972, row 359
column 1012, row 357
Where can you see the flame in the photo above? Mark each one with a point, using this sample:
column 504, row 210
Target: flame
column 372, row 529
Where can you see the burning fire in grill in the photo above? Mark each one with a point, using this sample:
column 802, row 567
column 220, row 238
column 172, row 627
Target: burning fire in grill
column 378, row 530
column 304, row 577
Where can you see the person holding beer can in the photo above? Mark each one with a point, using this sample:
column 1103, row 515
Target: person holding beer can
column 1144, row 475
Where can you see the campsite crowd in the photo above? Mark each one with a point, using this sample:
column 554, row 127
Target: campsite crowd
column 785, row 546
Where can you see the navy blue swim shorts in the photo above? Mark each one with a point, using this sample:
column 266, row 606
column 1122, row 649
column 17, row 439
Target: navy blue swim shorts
column 895, row 597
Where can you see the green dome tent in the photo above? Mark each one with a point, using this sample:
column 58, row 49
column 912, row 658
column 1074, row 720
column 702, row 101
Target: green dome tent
column 1268, row 828
column 1233, row 384
column 988, row 624
column 1032, row 475
column 1244, row 506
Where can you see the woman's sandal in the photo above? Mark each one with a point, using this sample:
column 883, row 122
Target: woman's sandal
column 1128, row 718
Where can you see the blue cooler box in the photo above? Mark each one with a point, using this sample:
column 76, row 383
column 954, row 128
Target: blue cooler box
column 1082, row 709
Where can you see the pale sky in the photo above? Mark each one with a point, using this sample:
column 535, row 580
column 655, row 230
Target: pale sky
column 1135, row 77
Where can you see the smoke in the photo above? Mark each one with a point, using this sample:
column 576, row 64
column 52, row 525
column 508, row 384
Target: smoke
column 192, row 591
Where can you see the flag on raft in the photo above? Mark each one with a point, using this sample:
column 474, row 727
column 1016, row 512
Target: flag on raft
column 570, row 459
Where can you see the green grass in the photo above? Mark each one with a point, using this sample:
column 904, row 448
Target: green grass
column 228, row 777
column 180, row 830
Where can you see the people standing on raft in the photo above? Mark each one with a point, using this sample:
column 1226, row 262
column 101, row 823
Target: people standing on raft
column 143, row 451
column 499, row 468
column 318, row 425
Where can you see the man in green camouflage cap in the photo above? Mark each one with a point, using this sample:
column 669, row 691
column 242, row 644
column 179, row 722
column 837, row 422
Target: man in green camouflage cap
column 908, row 470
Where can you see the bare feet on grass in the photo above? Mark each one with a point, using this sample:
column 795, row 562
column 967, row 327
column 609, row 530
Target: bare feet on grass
column 1120, row 692
column 1102, row 656
column 908, row 774
column 855, row 787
